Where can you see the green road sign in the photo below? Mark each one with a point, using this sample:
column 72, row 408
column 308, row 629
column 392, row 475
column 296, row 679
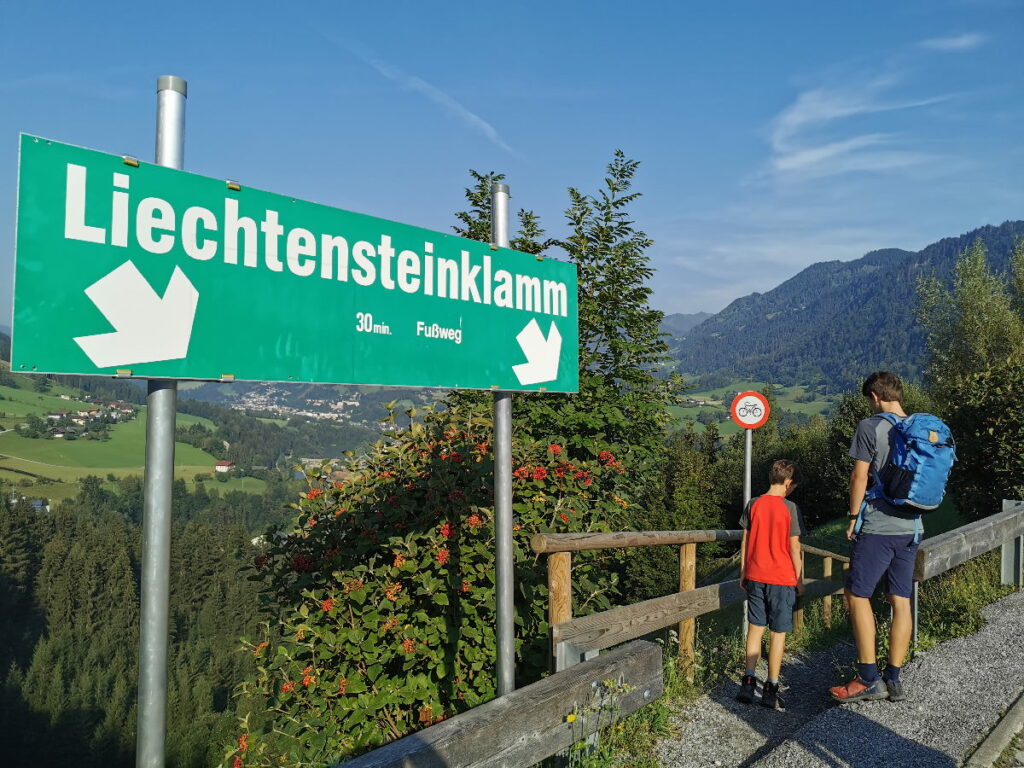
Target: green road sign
column 130, row 267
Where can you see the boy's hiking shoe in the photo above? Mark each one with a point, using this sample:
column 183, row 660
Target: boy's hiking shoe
column 895, row 688
column 748, row 687
column 770, row 696
column 858, row 690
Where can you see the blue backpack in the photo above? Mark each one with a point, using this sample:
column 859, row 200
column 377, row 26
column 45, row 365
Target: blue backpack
column 923, row 452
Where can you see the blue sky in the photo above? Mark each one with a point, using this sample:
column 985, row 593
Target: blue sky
column 771, row 135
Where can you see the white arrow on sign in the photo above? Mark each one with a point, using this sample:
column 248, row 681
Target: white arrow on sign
column 147, row 328
column 542, row 354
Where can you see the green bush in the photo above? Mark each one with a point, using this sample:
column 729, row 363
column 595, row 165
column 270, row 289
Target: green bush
column 382, row 597
column 989, row 432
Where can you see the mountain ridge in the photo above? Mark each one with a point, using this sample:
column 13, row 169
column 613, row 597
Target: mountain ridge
column 679, row 323
column 835, row 320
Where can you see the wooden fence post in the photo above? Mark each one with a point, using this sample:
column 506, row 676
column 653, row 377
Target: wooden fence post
column 826, row 602
column 687, row 627
column 559, row 593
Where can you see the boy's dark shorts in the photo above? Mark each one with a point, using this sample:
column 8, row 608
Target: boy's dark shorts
column 874, row 555
column 770, row 605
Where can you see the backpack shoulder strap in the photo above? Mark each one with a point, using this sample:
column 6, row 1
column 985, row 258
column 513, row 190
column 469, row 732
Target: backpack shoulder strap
column 875, row 488
column 892, row 418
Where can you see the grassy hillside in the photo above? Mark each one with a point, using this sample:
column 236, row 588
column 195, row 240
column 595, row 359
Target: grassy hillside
column 126, row 448
column 54, row 468
column 18, row 403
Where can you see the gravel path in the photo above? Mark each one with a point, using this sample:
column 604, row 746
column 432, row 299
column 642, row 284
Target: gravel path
column 956, row 693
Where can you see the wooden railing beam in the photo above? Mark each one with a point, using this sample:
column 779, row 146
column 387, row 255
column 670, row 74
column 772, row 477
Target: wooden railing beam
column 529, row 724
column 618, row 625
column 947, row 550
column 824, row 553
column 544, row 543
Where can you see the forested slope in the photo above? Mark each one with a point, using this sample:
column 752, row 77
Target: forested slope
column 69, row 599
column 835, row 320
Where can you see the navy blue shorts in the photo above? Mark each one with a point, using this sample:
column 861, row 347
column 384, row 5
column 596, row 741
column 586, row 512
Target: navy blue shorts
column 770, row 605
column 874, row 555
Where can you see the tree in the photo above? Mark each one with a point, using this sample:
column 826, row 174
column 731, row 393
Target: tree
column 976, row 373
column 976, row 325
column 683, row 498
column 19, row 563
column 34, row 427
column 476, row 222
column 622, row 398
column 69, row 632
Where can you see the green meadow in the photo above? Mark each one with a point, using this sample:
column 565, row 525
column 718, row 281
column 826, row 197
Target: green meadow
column 54, row 468
column 17, row 403
column 714, row 402
column 125, row 448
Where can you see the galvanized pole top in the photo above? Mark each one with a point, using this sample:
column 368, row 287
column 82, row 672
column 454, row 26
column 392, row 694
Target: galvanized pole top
column 172, row 83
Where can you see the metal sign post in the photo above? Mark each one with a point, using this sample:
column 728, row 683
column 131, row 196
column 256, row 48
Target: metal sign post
column 748, row 449
column 156, row 547
column 749, row 410
column 504, row 566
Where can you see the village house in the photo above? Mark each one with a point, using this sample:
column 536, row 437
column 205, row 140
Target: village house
column 38, row 505
column 223, row 466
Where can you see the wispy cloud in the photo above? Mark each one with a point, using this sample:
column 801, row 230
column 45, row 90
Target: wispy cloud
column 955, row 44
column 799, row 151
column 434, row 94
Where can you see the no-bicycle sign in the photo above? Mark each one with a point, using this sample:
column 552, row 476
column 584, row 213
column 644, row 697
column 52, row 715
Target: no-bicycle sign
column 750, row 410
column 134, row 269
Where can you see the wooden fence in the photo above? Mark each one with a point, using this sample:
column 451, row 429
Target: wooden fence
column 575, row 640
column 531, row 723
column 948, row 550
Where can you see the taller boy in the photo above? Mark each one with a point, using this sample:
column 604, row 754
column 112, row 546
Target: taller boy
column 885, row 541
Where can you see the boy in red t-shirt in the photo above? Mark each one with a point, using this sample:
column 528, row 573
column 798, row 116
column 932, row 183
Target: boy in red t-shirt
column 771, row 572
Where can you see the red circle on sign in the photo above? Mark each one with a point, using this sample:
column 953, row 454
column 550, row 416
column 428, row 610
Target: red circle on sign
column 750, row 410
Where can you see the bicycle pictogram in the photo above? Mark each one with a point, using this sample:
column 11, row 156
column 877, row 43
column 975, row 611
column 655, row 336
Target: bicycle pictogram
column 749, row 409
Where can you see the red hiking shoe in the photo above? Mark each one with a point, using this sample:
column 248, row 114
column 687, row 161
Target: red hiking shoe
column 858, row 690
